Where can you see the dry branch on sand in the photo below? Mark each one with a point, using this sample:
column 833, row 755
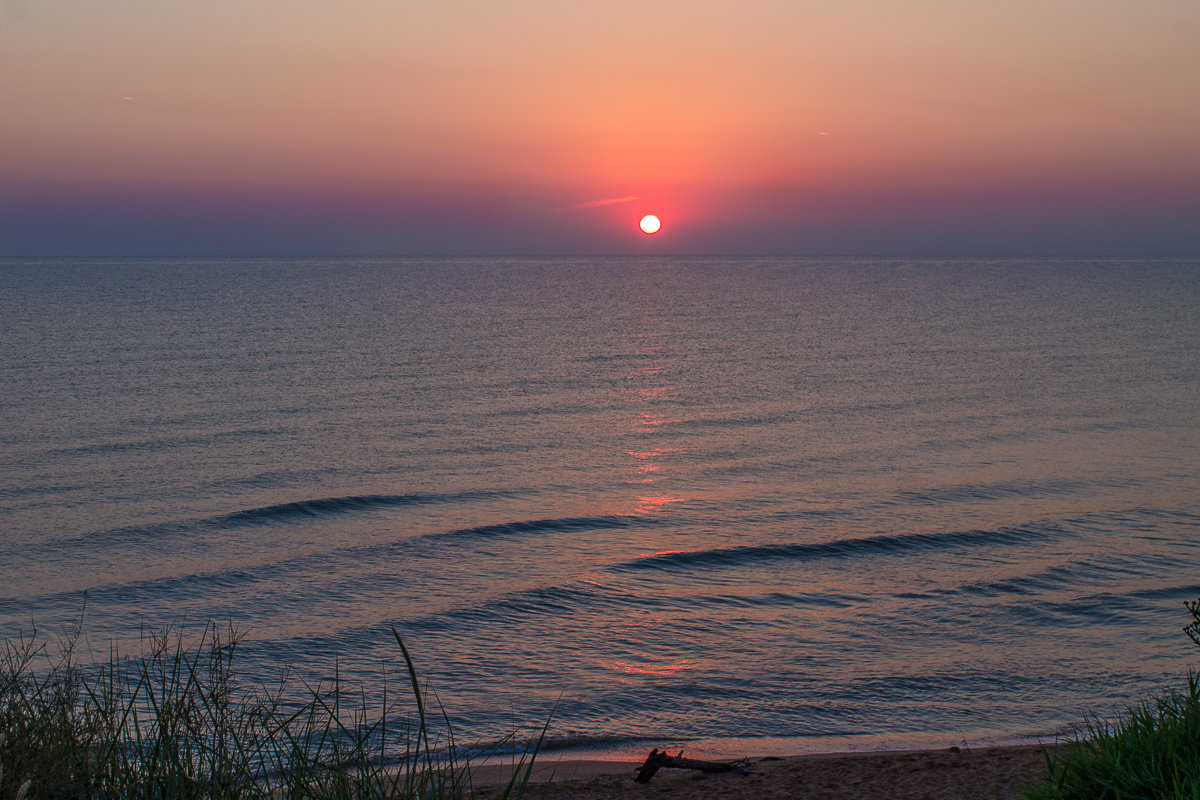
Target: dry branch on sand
column 657, row 760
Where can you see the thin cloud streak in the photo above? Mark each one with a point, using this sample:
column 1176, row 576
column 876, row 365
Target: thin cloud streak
column 610, row 201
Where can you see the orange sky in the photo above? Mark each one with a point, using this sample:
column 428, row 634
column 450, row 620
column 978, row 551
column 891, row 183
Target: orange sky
column 741, row 116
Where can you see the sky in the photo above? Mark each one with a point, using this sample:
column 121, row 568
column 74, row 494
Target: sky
column 393, row 127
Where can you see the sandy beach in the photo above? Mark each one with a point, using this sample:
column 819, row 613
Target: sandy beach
column 949, row 774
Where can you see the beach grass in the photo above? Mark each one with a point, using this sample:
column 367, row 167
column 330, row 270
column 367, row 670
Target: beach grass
column 1150, row 750
column 175, row 722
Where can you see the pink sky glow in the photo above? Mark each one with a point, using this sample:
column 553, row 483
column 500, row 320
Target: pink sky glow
column 762, row 126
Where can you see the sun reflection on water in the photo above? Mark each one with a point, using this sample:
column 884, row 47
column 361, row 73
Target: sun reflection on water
column 655, row 670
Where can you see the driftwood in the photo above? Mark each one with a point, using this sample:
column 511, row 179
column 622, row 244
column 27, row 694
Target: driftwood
column 657, row 760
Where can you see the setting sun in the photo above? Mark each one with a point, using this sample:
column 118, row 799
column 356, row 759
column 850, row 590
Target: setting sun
column 650, row 224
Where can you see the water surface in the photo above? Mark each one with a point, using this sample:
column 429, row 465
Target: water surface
column 672, row 499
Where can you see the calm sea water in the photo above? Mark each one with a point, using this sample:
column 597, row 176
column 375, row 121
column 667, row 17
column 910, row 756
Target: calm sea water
column 804, row 502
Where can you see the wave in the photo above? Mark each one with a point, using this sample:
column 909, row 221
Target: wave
column 260, row 516
column 321, row 507
column 839, row 548
column 195, row 584
column 585, row 742
column 777, row 600
column 997, row 491
column 1140, row 520
column 1052, row 579
column 586, row 598
column 551, row 525
column 520, row 605
column 1109, row 609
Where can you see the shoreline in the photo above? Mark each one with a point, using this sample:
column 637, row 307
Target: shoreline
column 949, row 773
column 732, row 748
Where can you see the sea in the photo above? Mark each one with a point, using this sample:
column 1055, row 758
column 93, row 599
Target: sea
column 738, row 505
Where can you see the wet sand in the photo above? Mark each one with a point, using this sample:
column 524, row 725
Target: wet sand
column 949, row 774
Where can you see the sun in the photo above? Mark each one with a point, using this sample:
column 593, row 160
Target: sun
column 650, row 224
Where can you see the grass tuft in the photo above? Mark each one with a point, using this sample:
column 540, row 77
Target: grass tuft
column 1152, row 750
column 175, row 722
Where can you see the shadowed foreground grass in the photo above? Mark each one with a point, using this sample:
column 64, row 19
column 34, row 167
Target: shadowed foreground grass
column 174, row 722
column 1151, row 751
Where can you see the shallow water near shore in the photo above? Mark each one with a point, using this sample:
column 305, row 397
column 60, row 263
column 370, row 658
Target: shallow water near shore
column 672, row 499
